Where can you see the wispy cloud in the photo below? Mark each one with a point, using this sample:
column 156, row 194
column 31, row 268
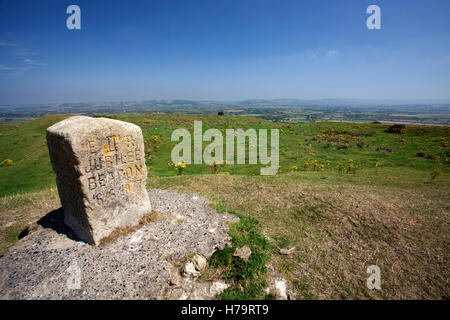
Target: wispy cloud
column 24, row 52
column 317, row 55
column 332, row 53
column 27, row 65
column 5, row 68
column 8, row 44
column 33, row 62
column 22, row 57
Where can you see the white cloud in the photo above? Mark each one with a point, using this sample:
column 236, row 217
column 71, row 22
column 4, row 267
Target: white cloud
column 8, row 44
column 33, row 62
column 22, row 55
column 21, row 70
column 332, row 53
column 23, row 52
column 5, row 68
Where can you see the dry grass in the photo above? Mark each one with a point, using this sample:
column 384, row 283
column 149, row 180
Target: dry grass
column 338, row 227
column 341, row 229
column 19, row 211
column 120, row 232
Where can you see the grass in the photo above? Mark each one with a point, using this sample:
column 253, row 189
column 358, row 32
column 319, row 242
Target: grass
column 120, row 232
column 340, row 228
column 395, row 216
column 247, row 278
column 31, row 170
column 25, row 144
column 19, row 211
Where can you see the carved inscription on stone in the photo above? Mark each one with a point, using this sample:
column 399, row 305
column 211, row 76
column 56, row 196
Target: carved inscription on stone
column 101, row 174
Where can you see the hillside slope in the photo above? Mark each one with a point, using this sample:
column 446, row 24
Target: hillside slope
column 340, row 219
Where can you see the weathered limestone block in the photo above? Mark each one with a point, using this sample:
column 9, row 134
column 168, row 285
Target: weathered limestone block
column 100, row 173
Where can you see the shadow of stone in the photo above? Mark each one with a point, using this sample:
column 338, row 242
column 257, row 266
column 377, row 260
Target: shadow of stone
column 24, row 233
column 55, row 220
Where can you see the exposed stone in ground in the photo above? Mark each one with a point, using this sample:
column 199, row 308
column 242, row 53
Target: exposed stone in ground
column 193, row 268
column 287, row 251
column 192, row 290
column 43, row 265
column 243, row 252
column 278, row 287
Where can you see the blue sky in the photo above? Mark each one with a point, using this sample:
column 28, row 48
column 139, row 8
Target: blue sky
column 223, row 50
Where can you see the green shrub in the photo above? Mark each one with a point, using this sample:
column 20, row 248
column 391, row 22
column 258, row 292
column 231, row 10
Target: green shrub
column 397, row 128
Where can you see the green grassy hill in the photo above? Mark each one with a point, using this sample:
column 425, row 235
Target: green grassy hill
column 328, row 143
column 391, row 209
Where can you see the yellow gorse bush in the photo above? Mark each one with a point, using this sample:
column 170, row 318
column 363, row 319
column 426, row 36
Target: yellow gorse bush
column 340, row 167
column 436, row 172
column 352, row 167
column 6, row 163
column 377, row 164
column 179, row 167
column 215, row 167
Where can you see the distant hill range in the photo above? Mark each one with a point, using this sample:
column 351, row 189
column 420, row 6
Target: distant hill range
column 340, row 102
column 286, row 110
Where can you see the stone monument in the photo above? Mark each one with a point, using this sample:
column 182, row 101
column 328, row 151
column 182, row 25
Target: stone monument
column 100, row 174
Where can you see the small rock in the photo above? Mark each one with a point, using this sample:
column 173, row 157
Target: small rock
column 199, row 262
column 270, row 268
column 287, row 251
column 194, row 267
column 174, row 278
column 243, row 253
column 278, row 288
column 189, row 270
column 183, row 296
column 217, row 288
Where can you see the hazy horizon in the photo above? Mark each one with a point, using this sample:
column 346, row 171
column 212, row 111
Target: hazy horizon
column 223, row 51
column 346, row 101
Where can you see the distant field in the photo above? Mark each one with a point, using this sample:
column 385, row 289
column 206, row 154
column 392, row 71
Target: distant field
column 15, row 120
column 391, row 209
